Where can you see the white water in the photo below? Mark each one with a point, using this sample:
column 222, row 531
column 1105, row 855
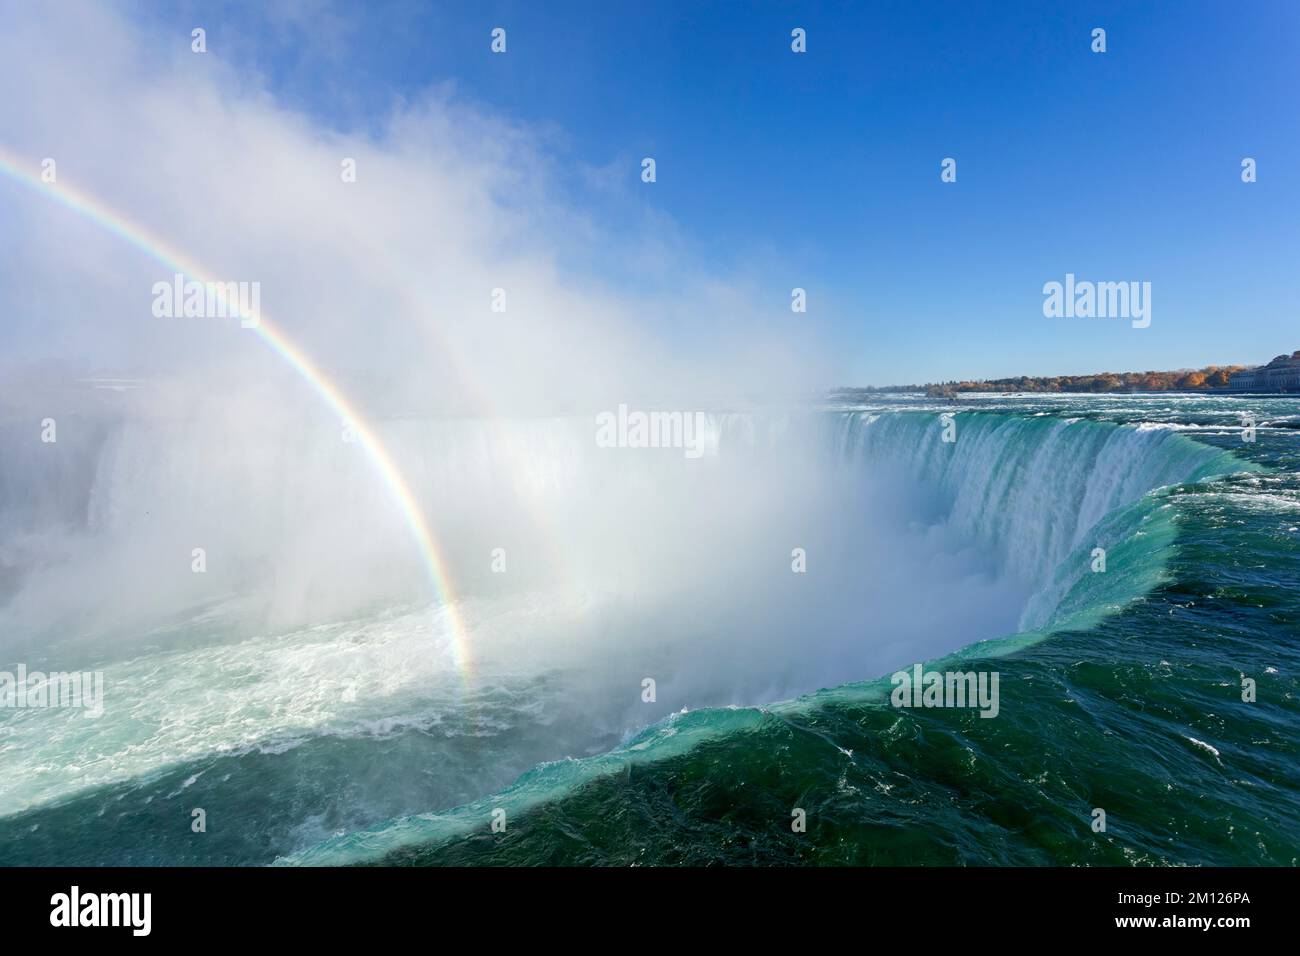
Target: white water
column 622, row 564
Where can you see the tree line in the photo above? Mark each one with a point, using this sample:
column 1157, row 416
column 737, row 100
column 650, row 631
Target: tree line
column 1212, row 376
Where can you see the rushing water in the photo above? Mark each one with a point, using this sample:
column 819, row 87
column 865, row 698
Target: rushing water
column 354, row 739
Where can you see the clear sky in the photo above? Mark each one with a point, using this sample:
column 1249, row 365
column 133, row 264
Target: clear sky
column 822, row 170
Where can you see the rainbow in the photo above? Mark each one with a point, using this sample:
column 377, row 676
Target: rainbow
column 117, row 224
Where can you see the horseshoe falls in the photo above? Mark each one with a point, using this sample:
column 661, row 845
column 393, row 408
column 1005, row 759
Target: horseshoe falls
column 644, row 657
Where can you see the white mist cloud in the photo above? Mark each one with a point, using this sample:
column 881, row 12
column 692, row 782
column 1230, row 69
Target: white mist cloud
column 391, row 275
column 386, row 283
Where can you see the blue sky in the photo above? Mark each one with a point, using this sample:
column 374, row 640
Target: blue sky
column 823, row 168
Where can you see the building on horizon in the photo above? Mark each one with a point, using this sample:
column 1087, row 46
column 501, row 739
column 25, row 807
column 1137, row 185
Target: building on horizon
column 1280, row 375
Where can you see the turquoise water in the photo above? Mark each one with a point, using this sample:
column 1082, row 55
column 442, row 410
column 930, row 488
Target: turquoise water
column 1120, row 690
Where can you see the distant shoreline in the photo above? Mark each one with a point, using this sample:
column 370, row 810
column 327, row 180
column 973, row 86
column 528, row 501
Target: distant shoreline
column 1281, row 376
column 1212, row 379
column 934, row 392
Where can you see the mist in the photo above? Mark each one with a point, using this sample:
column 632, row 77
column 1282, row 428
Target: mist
column 203, row 509
column 392, row 277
